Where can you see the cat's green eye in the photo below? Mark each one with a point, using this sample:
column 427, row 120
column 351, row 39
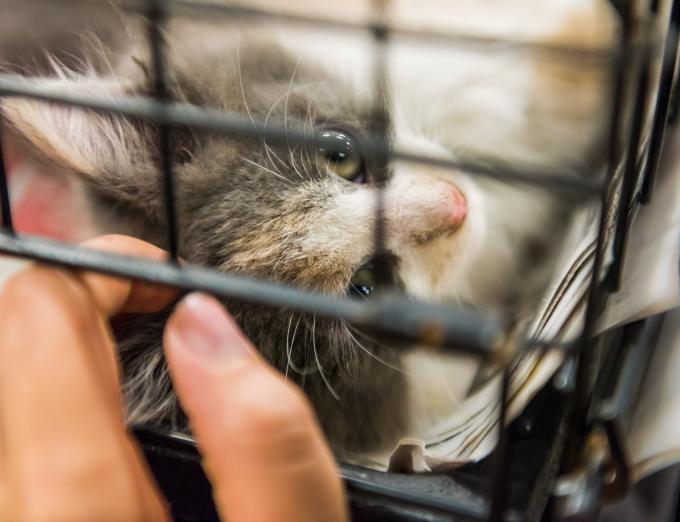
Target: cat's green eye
column 363, row 282
column 339, row 151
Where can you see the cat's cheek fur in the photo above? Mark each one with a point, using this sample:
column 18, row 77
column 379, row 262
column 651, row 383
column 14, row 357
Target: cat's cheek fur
column 344, row 229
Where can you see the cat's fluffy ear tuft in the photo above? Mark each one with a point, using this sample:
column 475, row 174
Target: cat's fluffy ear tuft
column 112, row 154
column 92, row 145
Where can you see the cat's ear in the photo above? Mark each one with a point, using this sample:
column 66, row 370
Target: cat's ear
column 78, row 140
column 112, row 154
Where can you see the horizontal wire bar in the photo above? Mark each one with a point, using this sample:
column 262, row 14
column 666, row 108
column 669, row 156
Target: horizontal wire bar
column 397, row 317
column 459, row 39
column 571, row 182
column 237, row 125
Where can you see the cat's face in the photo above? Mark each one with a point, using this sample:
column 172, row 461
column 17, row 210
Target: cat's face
column 304, row 215
column 307, row 215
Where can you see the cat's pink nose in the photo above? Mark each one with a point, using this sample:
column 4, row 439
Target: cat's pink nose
column 441, row 205
column 426, row 208
column 458, row 210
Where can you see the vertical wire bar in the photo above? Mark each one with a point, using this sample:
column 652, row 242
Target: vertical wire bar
column 5, row 205
column 499, row 471
column 663, row 103
column 380, row 118
column 157, row 18
column 630, row 177
column 585, row 359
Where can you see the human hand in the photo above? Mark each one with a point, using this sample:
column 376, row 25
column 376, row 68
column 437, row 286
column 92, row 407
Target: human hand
column 65, row 453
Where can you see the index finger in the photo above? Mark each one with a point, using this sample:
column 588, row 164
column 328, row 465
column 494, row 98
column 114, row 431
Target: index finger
column 114, row 295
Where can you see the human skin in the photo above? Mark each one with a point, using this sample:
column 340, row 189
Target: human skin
column 65, row 452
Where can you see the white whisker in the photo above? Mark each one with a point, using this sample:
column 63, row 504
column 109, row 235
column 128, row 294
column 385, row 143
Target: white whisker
column 290, row 88
column 255, row 164
column 240, row 80
column 294, row 165
column 371, row 354
column 268, row 150
column 288, row 346
column 308, row 119
column 318, row 363
column 293, row 366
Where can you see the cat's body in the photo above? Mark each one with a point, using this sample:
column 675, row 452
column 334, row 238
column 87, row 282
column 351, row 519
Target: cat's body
column 284, row 214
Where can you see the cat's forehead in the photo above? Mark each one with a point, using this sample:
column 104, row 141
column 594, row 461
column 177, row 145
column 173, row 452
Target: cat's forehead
column 255, row 74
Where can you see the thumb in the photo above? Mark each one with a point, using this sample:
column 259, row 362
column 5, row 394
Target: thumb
column 262, row 447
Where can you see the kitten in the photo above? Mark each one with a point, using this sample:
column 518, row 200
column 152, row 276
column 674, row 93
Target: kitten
column 306, row 217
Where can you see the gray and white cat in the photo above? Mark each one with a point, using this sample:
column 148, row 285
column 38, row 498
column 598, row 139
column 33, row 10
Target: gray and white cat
column 306, row 217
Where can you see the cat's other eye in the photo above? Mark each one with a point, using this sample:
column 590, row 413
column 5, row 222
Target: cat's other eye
column 363, row 282
column 338, row 150
column 374, row 275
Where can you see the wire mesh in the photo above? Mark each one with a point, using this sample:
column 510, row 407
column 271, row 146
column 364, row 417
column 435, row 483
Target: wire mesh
column 400, row 319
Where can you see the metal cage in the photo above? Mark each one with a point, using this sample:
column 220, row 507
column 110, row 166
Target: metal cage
column 517, row 480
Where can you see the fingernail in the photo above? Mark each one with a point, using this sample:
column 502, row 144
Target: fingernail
column 201, row 326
